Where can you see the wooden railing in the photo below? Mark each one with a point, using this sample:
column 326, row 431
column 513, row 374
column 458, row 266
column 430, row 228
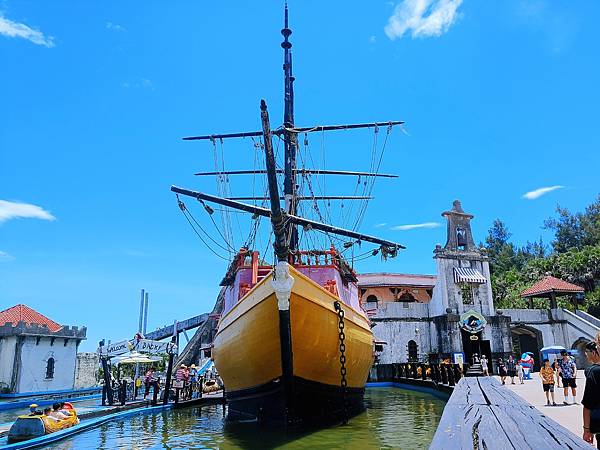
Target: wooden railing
column 447, row 374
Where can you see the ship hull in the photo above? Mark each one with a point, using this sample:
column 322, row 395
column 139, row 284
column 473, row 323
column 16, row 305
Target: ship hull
column 252, row 359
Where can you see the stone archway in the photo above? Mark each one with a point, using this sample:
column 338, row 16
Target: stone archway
column 527, row 339
column 580, row 359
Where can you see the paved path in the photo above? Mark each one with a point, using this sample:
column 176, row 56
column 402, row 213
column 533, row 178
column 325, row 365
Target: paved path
column 569, row 416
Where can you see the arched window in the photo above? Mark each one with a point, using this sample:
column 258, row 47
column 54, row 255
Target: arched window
column 413, row 351
column 371, row 299
column 407, row 297
column 50, row 368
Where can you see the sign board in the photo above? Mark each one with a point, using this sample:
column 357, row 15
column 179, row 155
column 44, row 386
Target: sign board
column 458, row 358
column 116, row 349
column 178, row 384
column 472, row 321
column 153, row 347
column 138, row 345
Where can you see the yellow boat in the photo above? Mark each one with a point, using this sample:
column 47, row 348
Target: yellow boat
column 32, row 426
column 293, row 343
column 253, row 352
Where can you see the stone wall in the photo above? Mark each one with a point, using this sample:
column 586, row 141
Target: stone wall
column 87, row 370
column 7, row 358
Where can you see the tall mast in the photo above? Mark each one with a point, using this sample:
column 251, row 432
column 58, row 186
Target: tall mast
column 290, row 138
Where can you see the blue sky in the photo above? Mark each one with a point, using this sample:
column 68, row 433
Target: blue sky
column 499, row 99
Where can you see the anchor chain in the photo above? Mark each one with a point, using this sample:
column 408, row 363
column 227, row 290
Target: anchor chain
column 343, row 371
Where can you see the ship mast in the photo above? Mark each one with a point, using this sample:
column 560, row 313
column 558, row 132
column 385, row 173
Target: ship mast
column 290, row 138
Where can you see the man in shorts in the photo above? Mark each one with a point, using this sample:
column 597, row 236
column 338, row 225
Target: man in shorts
column 568, row 371
column 547, row 376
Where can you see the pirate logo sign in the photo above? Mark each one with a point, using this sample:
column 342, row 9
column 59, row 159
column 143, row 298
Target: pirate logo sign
column 472, row 322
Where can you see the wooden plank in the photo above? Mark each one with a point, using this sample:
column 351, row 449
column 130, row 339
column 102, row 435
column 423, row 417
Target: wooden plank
column 468, row 392
column 483, row 414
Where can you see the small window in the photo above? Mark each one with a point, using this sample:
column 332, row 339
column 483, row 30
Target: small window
column 407, row 297
column 37, row 340
column 371, row 299
column 50, row 368
column 378, row 347
column 52, row 341
column 461, row 238
column 413, row 351
column 66, row 342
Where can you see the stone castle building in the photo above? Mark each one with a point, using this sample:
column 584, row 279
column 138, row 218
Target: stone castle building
column 36, row 353
column 452, row 314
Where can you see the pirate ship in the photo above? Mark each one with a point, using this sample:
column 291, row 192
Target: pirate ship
column 293, row 343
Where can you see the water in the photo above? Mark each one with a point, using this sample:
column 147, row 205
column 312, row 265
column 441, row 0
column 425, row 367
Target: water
column 395, row 418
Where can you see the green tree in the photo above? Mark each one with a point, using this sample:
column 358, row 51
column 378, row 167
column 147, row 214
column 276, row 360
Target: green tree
column 575, row 230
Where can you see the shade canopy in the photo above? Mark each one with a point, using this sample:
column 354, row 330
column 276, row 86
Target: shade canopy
column 468, row 275
column 134, row 358
column 553, row 349
column 550, row 286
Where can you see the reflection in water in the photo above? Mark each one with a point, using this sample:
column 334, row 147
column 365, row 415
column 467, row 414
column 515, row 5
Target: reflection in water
column 394, row 418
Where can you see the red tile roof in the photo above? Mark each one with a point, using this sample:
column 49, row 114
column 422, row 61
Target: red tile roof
column 23, row 313
column 550, row 284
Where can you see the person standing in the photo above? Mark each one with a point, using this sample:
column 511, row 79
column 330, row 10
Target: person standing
column 511, row 368
column 148, row 380
column 520, row 372
column 568, row 370
column 547, row 376
column 591, row 394
column 484, row 365
column 502, row 370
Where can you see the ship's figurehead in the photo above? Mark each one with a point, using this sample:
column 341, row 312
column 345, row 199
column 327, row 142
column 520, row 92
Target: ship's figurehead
column 282, row 285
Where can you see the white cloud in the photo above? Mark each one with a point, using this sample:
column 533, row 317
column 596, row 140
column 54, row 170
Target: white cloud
column 424, row 18
column 142, row 83
column 415, row 226
column 5, row 256
column 537, row 193
column 372, row 39
column 15, row 210
column 380, row 225
column 20, row 30
column 115, row 26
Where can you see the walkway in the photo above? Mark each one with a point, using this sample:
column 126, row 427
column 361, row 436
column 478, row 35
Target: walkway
column 569, row 416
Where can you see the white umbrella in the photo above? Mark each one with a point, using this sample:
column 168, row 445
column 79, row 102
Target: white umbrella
column 553, row 349
column 135, row 357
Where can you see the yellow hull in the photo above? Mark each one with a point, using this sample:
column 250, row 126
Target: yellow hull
column 247, row 348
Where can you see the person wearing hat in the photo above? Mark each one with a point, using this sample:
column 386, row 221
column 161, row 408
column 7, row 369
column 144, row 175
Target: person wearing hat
column 33, row 411
column 180, row 375
column 568, row 370
column 193, row 373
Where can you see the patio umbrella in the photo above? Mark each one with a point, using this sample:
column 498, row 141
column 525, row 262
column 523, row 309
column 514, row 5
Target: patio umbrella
column 135, row 357
column 553, row 349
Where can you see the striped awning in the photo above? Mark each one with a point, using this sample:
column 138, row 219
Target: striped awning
column 468, row 275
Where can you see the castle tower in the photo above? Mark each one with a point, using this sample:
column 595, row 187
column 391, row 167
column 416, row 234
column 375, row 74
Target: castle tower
column 463, row 272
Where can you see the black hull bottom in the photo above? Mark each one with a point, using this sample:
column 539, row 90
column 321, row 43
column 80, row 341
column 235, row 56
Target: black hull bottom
column 314, row 403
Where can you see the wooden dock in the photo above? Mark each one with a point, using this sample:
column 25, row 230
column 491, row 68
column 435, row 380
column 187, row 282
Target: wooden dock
column 483, row 414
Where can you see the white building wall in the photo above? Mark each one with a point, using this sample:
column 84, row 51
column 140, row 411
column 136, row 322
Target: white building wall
column 7, row 357
column 34, row 358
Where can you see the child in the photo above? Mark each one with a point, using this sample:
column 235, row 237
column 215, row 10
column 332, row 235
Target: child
column 520, row 372
column 547, row 376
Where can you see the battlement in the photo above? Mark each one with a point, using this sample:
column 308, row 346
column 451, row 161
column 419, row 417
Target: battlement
column 23, row 329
